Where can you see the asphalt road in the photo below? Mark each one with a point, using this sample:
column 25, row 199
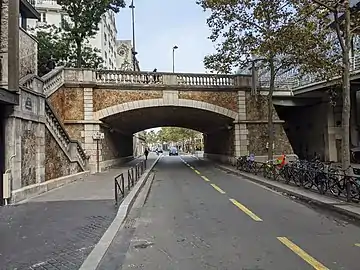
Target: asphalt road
column 198, row 217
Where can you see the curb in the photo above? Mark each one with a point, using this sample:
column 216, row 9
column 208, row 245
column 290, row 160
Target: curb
column 94, row 258
column 301, row 197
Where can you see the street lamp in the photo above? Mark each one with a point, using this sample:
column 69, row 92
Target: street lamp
column 173, row 57
column 133, row 32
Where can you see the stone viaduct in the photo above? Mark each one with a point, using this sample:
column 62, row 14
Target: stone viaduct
column 49, row 134
column 120, row 104
column 47, row 124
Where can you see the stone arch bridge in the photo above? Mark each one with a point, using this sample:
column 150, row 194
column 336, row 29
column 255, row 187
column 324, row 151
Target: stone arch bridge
column 120, row 104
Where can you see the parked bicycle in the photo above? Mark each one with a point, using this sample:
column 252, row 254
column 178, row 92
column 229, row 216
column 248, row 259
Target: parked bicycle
column 323, row 177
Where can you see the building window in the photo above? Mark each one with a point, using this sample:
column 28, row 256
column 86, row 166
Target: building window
column 105, row 55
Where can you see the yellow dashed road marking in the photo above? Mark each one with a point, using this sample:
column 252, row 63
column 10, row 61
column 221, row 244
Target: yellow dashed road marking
column 357, row 244
column 302, row 254
column 205, row 178
column 218, row 188
column 191, row 167
column 245, row 210
column 196, row 171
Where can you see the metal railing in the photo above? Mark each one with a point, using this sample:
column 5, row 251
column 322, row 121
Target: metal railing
column 291, row 82
column 317, row 177
column 133, row 175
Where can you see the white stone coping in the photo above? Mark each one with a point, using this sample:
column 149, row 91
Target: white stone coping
column 25, row 193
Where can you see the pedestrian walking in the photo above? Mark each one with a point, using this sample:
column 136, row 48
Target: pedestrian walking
column 146, row 153
column 155, row 76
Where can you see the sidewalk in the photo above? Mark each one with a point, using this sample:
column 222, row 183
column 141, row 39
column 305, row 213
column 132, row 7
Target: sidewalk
column 351, row 210
column 58, row 229
column 95, row 187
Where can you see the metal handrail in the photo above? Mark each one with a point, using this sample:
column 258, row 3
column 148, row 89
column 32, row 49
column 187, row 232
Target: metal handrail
column 133, row 175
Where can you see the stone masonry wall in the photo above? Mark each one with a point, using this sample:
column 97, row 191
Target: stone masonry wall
column 68, row 103
column 4, row 42
column 27, row 54
column 220, row 143
column 57, row 163
column 224, row 99
column 28, row 154
column 115, row 145
column 75, row 132
column 104, row 98
column 256, row 110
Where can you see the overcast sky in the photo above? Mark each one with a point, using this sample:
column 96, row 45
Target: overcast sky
column 161, row 24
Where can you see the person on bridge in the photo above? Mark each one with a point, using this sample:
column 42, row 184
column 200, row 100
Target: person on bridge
column 146, row 153
column 156, row 77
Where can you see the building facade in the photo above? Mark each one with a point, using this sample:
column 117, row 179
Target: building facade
column 17, row 60
column 125, row 58
column 104, row 40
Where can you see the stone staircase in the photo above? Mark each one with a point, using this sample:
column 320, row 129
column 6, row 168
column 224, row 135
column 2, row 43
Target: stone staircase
column 51, row 82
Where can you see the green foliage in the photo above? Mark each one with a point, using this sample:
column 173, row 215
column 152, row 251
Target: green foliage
column 53, row 44
column 85, row 16
column 278, row 31
column 171, row 134
column 284, row 34
column 151, row 137
column 176, row 134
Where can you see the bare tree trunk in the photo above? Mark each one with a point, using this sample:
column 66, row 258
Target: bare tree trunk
column 78, row 54
column 270, row 109
column 346, row 92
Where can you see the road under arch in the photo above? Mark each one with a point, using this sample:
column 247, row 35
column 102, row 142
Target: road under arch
column 119, row 128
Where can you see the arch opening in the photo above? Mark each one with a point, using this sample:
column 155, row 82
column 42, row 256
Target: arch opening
column 125, row 130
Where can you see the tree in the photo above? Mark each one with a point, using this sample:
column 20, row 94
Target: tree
column 344, row 31
column 90, row 57
column 85, row 16
column 52, row 44
column 270, row 30
column 178, row 135
column 151, row 137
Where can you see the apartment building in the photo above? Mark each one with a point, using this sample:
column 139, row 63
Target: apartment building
column 104, row 40
column 125, row 58
column 17, row 59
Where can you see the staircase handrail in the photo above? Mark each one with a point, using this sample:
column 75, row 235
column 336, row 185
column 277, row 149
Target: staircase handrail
column 50, row 110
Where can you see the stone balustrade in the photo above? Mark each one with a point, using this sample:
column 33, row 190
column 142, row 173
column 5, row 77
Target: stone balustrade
column 61, row 75
column 156, row 78
column 63, row 137
column 293, row 82
column 128, row 77
column 206, row 80
column 53, row 80
column 28, row 81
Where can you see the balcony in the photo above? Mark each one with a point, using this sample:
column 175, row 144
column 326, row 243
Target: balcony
column 52, row 4
column 28, row 11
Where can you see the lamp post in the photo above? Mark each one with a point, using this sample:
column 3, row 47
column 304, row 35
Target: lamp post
column 173, row 57
column 132, row 6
